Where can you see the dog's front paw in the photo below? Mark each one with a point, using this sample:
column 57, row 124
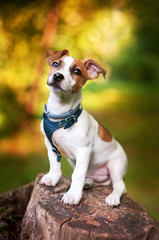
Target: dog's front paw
column 50, row 180
column 113, row 200
column 71, row 198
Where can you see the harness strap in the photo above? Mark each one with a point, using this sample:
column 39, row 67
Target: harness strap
column 51, row 126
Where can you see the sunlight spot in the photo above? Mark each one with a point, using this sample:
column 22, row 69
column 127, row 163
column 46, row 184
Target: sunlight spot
column 100, row 101
column 94, row 36
column 106, row 23
column 73, row 18
column 21, row 49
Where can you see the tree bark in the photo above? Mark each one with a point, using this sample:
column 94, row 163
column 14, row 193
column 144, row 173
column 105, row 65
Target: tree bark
column 13, row 205
column 48, row 218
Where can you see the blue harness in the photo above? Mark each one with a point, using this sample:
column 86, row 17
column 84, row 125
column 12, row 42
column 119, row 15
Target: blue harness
column 70, row 118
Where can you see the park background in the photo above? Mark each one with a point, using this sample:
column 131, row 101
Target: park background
column 123, row 36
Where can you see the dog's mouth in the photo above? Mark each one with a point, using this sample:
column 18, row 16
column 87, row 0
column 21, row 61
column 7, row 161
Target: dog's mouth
column 56, row 85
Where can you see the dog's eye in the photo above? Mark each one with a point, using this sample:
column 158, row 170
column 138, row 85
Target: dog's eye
column 77, row 71
column 55, row 64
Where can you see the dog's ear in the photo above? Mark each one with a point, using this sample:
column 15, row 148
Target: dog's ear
column 93, row 68
column 53, row 55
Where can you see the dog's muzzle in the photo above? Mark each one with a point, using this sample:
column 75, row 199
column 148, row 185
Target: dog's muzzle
column 55, row 80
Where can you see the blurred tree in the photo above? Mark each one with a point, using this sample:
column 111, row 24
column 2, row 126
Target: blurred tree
column 147, row 32
column 139, row 62
column 11, row 112
column 48, row 37
column 86, row 28
column 29, row 29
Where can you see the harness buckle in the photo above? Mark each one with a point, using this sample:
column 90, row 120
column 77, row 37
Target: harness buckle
column 70, row 121
column 72, row 117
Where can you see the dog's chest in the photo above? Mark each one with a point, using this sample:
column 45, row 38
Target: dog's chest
column 63, row 142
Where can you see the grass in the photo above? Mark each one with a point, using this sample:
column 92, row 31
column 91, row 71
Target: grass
column 131, row 113
column 19, row 170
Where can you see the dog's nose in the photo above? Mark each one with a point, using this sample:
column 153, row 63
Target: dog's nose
column 58, row 77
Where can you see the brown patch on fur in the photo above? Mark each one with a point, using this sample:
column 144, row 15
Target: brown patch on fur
column 80, row 80
column 54, row 69
column 63, row 153
column 53, row 55
column 104, row 134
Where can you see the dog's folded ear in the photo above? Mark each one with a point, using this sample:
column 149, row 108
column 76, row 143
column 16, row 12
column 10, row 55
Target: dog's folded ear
column 93, row 68
column 53, row 55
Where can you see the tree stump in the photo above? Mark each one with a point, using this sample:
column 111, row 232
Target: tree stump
column 47, row 218
column 12, row 208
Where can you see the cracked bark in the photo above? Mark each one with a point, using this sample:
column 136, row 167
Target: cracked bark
column 47, row 218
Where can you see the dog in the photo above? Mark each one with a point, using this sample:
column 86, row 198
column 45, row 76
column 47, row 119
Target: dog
column 97, row 158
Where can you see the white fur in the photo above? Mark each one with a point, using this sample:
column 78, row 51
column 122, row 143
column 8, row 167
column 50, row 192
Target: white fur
column 68, row 82
column 88, row 154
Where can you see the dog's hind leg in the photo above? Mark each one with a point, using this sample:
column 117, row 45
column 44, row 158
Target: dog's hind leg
column 118, row 190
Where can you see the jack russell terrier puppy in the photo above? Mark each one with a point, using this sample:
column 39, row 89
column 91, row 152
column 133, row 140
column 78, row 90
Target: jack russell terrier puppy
column 97, row 158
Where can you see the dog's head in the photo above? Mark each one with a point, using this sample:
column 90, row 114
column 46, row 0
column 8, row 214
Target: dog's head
column 69, row 74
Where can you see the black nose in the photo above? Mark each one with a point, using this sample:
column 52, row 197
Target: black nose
column 58, row 77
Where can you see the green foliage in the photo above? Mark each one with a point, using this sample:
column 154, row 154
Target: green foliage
column 4, row 218
column 132, row 66
column 26, row 168
column 11, row 112
column 3, row 232
column 146, row 29
column 5, row 215
column 139, row 62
